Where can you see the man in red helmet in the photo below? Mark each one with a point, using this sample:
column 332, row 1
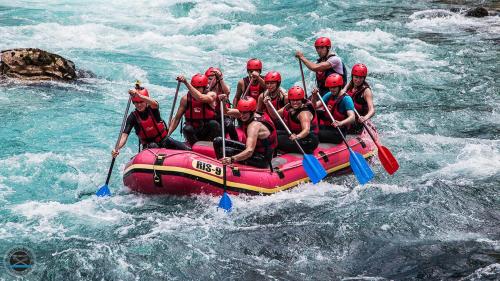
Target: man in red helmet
column 300, row 117
column 254, row 80
column 327, row 63
column 198, row 109
column 217, row 84
column 147, row 123
column 260, row 139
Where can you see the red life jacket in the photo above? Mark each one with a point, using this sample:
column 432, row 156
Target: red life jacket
column 334, row 107
column 268, row 145
column 293, row 123
column 278, row 103
column 255, row 90
column 322, row 75
column 150, row 130
column 198, row 112
column 360, row 103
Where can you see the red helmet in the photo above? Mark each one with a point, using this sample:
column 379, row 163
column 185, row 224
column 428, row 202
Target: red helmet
column 142, row 92
column 210, row 69
column 247, row 104
column 199, row 80
column 273, row 76
column 296, row 93
column 323, row 42
column 334, row 80
column 359, row 69
column 254, row 64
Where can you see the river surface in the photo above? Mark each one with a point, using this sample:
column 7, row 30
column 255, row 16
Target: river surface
column 435, row 78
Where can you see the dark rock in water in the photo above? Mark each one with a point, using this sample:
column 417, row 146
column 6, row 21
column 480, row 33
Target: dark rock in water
column 477, row 12
column 35, row 65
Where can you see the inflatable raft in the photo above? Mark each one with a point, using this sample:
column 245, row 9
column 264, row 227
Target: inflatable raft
column 167, row 171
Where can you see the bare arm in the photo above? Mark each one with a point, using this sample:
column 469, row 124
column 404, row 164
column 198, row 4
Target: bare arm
column 252, row 136
column 260, row 102
column 368, row 96
column 224, row 87
column 305, row 118
column 349, row 120
column 177, row 118
column 322, row 66
column 151, row 102
column 121, row 143
column 239, row 92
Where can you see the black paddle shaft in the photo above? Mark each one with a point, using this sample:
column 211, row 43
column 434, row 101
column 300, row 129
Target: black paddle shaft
column 247, row 89
column 284, row 125
column 303, row 79
column 173, row 104
column 223, row 144
column 124, row 122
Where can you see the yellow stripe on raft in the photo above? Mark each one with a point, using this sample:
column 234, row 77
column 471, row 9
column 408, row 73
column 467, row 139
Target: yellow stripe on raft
column 230, row 183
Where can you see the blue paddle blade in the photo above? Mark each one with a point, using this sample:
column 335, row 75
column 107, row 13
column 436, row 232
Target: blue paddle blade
column 225, row 202
column 360, row 167
column 103, row 191
column 313, row 168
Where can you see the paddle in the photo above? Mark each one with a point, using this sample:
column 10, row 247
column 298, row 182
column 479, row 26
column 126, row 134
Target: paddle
column 225, row 202
column 303, row 79
column 173, row 104
column 104, row 190
column 247, row 89
column 311, row 165
column 388, row 161
column 358, row 164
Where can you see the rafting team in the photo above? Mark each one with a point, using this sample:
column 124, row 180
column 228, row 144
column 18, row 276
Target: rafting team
column 258, row 98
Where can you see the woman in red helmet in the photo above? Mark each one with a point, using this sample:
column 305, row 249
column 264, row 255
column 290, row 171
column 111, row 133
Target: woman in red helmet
column 260, row 140
column 147, row 123
column 300, row 117
column 254, row 80
column 327, row 63
column 340, row 106
column 276, row 94
column 360, row 92
column 198, row 109
column 217, row 84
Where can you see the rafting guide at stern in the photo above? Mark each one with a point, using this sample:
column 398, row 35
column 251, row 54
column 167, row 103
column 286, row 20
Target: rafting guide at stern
column 147, row 123
column 327, row 63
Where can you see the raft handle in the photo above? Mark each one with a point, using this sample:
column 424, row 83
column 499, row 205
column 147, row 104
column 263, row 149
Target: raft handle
column 236, row 171
column 361, row 141
column 159, row 158
column 324, row 156
column 279, row 172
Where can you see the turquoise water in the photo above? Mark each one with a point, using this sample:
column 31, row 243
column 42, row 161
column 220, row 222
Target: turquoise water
column 436, row 84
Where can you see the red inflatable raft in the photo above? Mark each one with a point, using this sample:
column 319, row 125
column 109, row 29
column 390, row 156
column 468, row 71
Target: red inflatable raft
column 167, row 171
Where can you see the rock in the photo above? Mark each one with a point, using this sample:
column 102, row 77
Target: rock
column 477, row 12
column 35, row 65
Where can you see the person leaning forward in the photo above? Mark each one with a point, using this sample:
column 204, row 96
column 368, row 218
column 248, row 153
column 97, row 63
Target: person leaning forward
column 259, row 141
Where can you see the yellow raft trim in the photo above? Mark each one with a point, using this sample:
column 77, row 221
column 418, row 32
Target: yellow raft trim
column 230, row 183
